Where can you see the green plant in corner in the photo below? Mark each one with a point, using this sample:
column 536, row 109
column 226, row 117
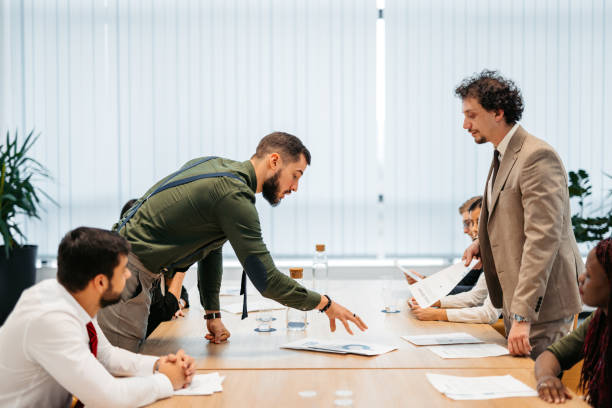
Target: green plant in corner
column 18, row 195
column 588, row 229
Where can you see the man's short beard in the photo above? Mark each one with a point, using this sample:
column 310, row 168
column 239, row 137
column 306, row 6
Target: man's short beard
column 270, row 190
column 108, row 297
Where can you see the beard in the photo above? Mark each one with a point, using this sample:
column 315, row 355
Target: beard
column 109, row 297
column 270, row 190
column 479, row 139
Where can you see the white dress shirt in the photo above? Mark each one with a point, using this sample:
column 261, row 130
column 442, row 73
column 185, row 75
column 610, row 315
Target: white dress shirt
column 45, row 358
column 501, row 148
column 473, row 306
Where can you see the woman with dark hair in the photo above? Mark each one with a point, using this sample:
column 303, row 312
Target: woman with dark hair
column 590, row 341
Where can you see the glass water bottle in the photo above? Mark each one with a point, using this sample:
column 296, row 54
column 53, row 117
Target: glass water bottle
column 296, row 319
column 320, row 271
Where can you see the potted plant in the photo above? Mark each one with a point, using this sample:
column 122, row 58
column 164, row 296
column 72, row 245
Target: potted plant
column 594, row 228
column 18, row 196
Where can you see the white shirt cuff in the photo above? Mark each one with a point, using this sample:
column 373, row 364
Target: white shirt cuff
column 145, row 365
column 163, row 386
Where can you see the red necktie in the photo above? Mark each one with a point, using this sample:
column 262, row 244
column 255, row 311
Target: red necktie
column 93, row 347
column 93, row 339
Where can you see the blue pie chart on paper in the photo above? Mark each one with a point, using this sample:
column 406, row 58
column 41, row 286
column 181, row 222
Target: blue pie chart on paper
column 356, row 347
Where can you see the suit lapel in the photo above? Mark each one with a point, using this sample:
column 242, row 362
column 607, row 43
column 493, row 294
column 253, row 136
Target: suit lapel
column 506, row 166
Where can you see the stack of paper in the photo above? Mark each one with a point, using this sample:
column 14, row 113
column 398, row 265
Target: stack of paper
column 469, row 350
column 253, row 306
column 478, row 388
column 203, row 384
column 442, row 338
column 363, row 349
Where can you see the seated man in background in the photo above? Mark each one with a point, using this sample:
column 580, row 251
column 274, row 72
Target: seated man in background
column 472, row 276
column 52, row 346
column 590, row 341
column 168, row 296
column 473, row 306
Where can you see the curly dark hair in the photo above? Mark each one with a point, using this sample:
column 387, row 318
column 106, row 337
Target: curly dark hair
column 493, row 92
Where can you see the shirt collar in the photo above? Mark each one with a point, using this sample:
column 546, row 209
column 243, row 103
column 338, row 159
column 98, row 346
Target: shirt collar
column 81, row 314
column 503, row 145
column 252, row 177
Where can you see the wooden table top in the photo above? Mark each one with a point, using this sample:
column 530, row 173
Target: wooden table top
column 370, row 388
column 247, row 349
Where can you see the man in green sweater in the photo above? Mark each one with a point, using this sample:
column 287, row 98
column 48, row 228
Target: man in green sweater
column 188, row 216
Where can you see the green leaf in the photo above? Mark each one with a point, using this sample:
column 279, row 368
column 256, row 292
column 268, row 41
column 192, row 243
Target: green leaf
column 18, row 178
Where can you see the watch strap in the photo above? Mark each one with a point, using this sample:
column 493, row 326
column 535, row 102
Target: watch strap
column 210, row 316
column 329, row 302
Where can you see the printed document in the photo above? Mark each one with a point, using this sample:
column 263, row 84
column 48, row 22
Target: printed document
column 469, row 350
column 438, row 285
column 442, row 338
column 479, row 388
column 203, row 384
column 339, row 347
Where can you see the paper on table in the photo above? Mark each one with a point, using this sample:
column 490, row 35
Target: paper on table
column 442, row 338
column 438, row 285
column 203, row 384
column 477, row 388
column 253, row 306
column 229, row 291
column 348, row 347
column 469, row 350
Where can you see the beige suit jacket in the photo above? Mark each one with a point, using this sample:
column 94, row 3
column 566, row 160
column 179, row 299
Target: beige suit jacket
column 527, row 244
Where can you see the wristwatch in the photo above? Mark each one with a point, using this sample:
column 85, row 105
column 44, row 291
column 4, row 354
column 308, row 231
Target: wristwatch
column 211, row 316
column 329, row 302
column 520, row 319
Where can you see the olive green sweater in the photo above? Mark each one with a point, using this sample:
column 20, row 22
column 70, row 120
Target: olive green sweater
column 570, row 349
column 198, row 218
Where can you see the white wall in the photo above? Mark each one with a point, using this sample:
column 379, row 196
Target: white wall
column 125, row 91
column 558, row 52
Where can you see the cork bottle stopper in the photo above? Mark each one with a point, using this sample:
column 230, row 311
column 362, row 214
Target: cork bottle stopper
column 296, row 273
column 320, row 247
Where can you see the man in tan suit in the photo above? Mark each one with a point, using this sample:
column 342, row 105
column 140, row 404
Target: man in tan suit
column 526, row 241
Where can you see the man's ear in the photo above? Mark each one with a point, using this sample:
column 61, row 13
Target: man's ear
column 274, row 161
column 100, row 283
column 499, row 115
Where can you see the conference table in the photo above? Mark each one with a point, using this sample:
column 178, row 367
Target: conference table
column 258, row 372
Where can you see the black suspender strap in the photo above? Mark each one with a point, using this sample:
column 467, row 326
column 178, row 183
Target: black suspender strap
column 243, row 291
column 167, row 184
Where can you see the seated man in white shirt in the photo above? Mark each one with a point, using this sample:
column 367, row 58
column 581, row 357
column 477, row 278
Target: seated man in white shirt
column 473, row 306
column 52, row 346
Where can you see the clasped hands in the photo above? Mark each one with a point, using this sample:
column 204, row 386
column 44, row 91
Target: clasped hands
column 179, row 368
